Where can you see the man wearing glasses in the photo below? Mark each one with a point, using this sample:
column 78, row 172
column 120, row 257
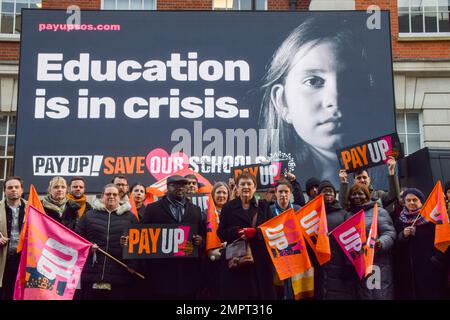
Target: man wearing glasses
column 122, row 184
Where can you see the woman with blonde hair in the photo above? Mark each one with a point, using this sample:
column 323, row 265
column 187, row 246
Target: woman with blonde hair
column 57, row 206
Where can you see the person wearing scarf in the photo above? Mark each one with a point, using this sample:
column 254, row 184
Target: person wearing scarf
column 421, row 267
column 359, row 199
column 57, row 206
column 76, row 194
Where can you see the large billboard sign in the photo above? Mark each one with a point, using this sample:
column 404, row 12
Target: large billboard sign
column 144, row 94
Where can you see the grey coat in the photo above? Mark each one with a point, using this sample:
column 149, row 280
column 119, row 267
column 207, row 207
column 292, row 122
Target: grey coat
column 382, row 282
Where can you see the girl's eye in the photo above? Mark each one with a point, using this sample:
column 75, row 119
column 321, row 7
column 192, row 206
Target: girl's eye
column 315, row 82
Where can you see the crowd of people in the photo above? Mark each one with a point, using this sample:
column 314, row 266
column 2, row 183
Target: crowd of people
column 409, row 265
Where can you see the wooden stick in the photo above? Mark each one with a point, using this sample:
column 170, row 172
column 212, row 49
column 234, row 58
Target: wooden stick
column 121, row 263
column 415, row 220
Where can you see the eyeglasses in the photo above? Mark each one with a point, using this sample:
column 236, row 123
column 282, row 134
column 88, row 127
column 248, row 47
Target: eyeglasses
column 111, row 194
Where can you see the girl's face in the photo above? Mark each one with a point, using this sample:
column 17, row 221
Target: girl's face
column 309, row 97
column 58, row 191
column 358, row 198
column 220, row 196
column 138, row 194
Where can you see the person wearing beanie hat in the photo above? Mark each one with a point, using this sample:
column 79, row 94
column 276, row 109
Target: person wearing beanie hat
column 333, row 280
column 312, row 185
column 324, row 184
column 421, row 268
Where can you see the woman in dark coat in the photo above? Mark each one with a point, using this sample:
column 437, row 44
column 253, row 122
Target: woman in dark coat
column 253, row 281
column 57, row 206
column 421, row 267
column 336, row 279
column 359, row 199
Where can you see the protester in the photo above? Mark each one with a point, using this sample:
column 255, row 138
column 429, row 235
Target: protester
column 12, row 213
column 58, row 206
column 77, row 194
column 103, row 278
column 384, row 199
column 169, row 279
column 299, row 198
column 336, row 279
column 359, row 199
column 422, row 269
column 220, row 194
column 283, row 192
column 312, row 188
column 122, row 184
column 238, row 219
column 138, row 191
column 192, row 184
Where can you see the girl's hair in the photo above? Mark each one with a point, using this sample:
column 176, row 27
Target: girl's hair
column 55, row 181
column 216, row 186
column 137, row 184
column 312, row 32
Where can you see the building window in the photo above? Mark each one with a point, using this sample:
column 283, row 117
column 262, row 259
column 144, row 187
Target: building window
column 7, row 140
column 408, row 129
column 129, row 4
column 424, row 16
column 239, row 4
column 10, row 11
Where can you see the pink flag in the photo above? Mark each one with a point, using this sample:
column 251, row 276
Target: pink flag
column 351, row 236
column 51, row 262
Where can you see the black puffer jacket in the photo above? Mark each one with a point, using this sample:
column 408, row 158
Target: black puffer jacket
column 105, row 229
column 336, row 279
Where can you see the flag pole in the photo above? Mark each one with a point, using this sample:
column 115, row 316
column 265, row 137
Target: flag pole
column 121, row 263
column 415, row 219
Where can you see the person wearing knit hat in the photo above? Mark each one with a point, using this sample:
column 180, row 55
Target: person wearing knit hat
column 324, row 184
column 312, row 185
column 421, row 267
column 330, row 282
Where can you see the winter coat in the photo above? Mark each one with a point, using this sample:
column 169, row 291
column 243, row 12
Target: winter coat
column 336, row 279
column 69, row 217
column 173, row 278
column 383, row 255
column 105, row 229
column 254, row 281
column 421, row 269
column 5, row 226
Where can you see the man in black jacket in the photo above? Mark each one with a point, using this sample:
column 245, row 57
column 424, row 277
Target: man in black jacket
column 12, row 212
column 174, row 278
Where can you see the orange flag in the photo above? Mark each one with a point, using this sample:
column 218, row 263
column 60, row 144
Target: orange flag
column 435, row 211
column 284, row 241
column 159, row 188
column 313, row 223
column 369, row 248
column 133, row 206
column 212, row 223
column 33, row 200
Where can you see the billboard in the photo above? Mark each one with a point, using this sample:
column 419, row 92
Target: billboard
column 144, row 94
